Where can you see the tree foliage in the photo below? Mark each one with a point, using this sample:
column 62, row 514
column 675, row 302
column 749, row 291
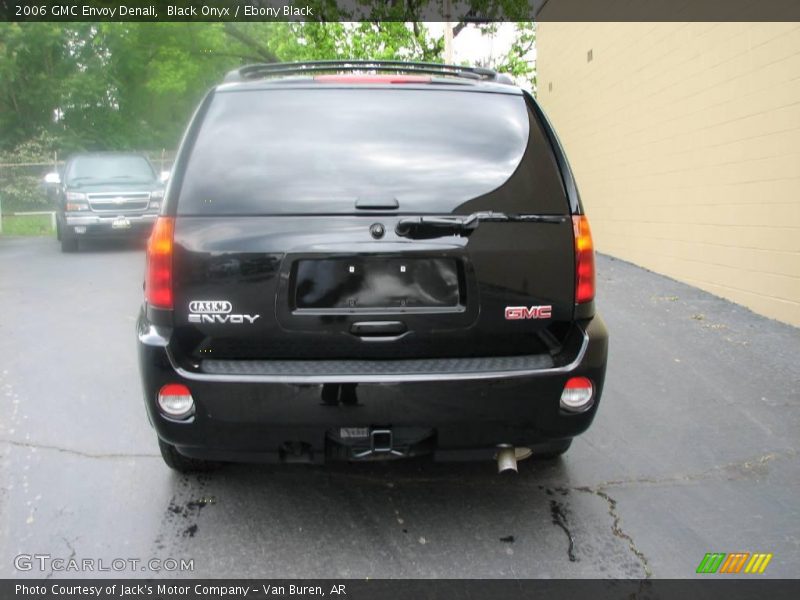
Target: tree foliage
column 74, row 86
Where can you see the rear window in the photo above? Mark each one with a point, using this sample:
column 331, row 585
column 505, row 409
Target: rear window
column 322, row 150
column 110, row 168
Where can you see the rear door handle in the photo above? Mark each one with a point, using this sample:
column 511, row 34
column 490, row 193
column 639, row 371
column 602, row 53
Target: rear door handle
column 378, row 328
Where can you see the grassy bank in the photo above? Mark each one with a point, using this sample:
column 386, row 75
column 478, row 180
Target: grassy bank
column 27, row 225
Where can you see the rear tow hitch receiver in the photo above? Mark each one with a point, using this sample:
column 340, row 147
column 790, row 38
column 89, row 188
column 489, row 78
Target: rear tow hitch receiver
column 380, row 443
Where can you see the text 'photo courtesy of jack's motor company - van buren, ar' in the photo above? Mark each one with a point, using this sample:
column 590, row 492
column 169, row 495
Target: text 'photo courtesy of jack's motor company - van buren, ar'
column 201, row 590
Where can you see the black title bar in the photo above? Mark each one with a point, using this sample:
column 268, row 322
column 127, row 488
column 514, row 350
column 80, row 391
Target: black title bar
column 397, row 589
column 406, row 10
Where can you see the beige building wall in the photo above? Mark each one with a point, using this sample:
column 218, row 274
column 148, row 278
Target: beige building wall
column 685, row 142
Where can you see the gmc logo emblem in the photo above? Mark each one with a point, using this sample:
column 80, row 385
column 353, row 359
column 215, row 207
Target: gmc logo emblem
column 514, row 313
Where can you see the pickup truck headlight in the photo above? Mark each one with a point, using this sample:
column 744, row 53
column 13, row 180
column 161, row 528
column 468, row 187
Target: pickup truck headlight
column 155, row 198
column 76, row 201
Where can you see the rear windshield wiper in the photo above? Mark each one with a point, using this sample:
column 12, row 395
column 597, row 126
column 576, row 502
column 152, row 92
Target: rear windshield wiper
column 421, row 228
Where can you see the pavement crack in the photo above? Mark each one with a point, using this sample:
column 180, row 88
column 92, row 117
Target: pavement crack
column 69, row 558
column 735, row 470
column 96, row 455
column 71, row 548
column 616, row 528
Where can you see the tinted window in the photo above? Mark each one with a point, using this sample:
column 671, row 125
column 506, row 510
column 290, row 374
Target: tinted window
column 321, row 150
column 109, row 168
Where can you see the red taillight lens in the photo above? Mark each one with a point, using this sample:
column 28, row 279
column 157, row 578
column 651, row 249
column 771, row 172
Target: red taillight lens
column 584, row 260
column 158, row 280
column 578, row 394
column 175, row 400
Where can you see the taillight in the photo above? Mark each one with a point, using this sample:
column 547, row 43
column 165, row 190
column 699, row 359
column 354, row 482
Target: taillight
column 578, row 394
column 158, row 280
column 584, row 260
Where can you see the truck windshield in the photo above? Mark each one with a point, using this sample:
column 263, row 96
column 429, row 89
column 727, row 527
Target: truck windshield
column 109, row 168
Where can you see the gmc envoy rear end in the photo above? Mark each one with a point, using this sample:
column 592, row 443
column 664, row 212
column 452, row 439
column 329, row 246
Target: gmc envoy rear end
column 369, row 260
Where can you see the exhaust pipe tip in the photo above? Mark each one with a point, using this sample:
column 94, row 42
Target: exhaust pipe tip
column 508, row 456
column 506, row 460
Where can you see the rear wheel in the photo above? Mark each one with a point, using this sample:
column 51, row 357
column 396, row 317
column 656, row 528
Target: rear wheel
column 183, row 464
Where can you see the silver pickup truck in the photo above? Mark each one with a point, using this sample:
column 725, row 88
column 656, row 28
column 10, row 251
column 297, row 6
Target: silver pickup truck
column 105, row 194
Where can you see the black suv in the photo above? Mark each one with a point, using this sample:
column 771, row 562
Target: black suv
column 369, row 260
column 106, row 194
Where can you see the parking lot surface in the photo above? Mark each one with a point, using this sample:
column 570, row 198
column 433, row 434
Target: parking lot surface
column 694, row 450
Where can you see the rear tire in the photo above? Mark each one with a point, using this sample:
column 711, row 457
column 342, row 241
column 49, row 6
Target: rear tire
column 550, row 450
column 68, row 242
column 183, row 464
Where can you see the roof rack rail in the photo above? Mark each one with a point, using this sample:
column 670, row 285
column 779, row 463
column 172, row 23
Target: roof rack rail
column 264, row 70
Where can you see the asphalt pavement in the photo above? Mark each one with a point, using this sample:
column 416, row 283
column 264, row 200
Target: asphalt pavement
column 694, row 450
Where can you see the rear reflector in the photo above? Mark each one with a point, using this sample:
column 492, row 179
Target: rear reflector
column 584, row 260
column 175, row 400
column 578, row 394
column 158, row 278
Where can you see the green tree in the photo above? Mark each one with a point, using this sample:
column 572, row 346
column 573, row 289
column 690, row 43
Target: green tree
column 134, row 85
column 33, row 60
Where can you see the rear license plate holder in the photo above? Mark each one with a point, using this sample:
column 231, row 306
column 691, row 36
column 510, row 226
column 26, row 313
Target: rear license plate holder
column 346, row 284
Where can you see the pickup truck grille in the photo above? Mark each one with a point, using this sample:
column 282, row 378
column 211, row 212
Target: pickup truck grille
column 119, row 202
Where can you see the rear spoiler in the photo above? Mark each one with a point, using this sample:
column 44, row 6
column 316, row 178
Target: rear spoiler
column 265, row 70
